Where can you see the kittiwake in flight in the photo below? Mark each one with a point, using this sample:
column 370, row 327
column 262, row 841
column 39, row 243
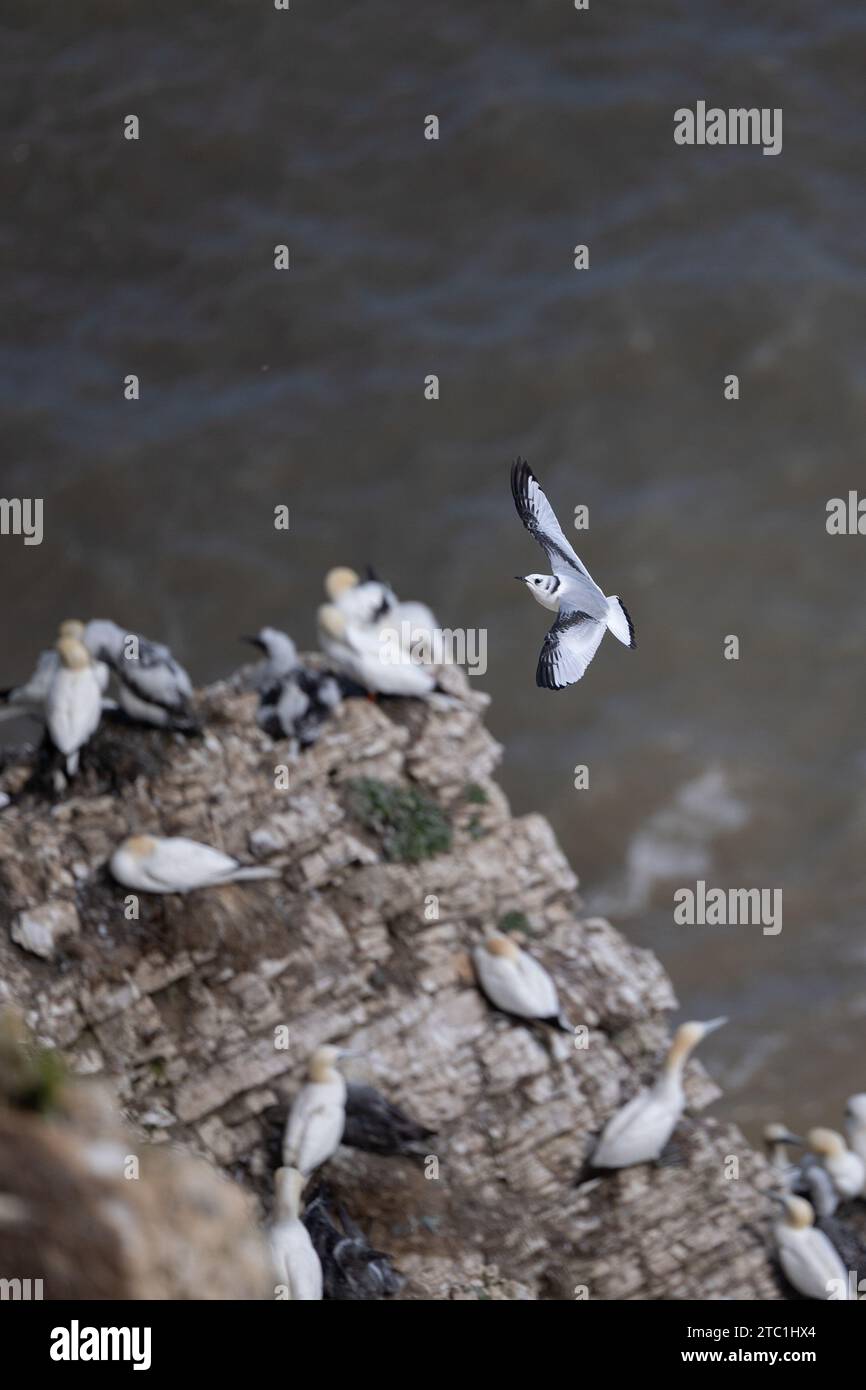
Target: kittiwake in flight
column 583, row 612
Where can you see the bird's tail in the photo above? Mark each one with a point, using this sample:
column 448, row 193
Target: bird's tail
column 254, row 871
column 72, row 763
column 619, row 622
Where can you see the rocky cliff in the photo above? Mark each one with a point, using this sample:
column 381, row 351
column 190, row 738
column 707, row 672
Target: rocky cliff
column 396, row 850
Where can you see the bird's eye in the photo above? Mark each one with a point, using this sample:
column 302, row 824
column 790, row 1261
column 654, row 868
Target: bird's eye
column 536, row 582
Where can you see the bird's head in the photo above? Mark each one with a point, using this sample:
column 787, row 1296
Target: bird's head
column 71, row 627
column 73, row 654
column 855, row 1110
column 332, row 622
column 537, row 583
column 139, row 846
column 687, row 1037
column 826, row 1143
column 502, row 946
column 798, row 1212
column 338, row 580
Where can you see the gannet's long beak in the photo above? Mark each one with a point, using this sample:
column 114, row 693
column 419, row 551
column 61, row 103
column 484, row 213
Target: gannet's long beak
column 788, row 1138
column 254, row 641
column 713, row 1024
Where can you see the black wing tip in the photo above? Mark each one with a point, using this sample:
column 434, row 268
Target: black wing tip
column 633, row 643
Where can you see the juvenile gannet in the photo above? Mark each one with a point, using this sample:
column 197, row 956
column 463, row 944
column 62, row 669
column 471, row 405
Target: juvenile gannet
column 377, row 1126
column 517, row 984
column 807, row 1257
column 845, row 1169
column 295, row 1261
column 153, row 687
column 855, row 1123
column 359, row 652
column 280, row 656
column 293, row 702
column 154, row 864
column 73, row 704
column 777, row 1140
column 640, row 1130
column 318, row 1115
column 351, row 1268
column 583, row 611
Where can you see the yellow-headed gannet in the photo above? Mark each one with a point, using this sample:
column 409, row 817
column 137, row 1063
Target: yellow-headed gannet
column 73, row 704
column 515, row 983
column 810, row 1262
column 855, row 1124
column 296, row 1263
column 584, row 613
column 152, row 686
column 845, row 1169
column 366, row 602
column 153, row 864
column 316, row 1120
column 30, row 697
column 363, row 655
column 640, row 1130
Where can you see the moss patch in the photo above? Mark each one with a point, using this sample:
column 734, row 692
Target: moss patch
column 409, row 825
column 514, row 921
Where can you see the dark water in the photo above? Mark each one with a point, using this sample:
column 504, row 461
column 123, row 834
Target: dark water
column 411, row 257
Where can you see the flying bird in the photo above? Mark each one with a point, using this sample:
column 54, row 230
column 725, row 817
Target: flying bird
column 297, row 1265
column 640, row 1130
column 153, row 687
column 173, row 864
column 583, row 612
column 517, row 984
column 809, row 1260
column 318, row 1115
column 73, row 703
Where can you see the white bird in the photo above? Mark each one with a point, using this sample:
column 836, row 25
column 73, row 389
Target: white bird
column 809, row 1260
column 515, row 983
column 640, row 1130
column 297, row 1265
column 153, row 687
column 176, row 865
column 318, row 1115
column 584, row 613
column 367, row 657
column 845, row 1168
column 30, row 697
column 855, row 1123
column 73, row 704
column 366, row 602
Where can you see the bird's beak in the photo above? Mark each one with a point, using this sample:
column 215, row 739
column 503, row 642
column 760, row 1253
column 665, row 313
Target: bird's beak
column 788, row 1138
column 713, row 1024
column 521, row 577
column 254, row 641
column 777, row 1197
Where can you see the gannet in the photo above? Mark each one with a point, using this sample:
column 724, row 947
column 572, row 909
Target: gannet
column 316, row 1120
column 30, row 697
column 855, row 1124
column 583, row 611
column 807, row 1257
column 366, row 602
column 73, row 704
column 777, row 1140
column 377, row 1126
column 640, row 1130
column 293, row 702
column 359, row 652
column 296, row 1263
column 845, row 1169
column 351, row 1268
column 153, row 687
column 154, row 864
column 517, row 984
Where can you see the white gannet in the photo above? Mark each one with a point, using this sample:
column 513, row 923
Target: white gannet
column 317, row 1118
column 376, row 1125
column 855, row 1123
column 296, row 1263
column 293, row 702
column 363, row 601
column 515, row 983
column 583, row 611
column 810, row 1262
column 361, row 653
column 73, row 704
column 845, row 1168
column 640, row 1130
column 174, row 864
column 30, row 697
column 153, row 687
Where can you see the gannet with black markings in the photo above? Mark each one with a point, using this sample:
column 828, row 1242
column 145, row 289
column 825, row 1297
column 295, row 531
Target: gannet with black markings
column 296, row 1263
column 640, row 1130
column 517, row 984
column 153, row 687
column 318, row 1115
column 810, row 1262
column 584, row 613
column 174, row 864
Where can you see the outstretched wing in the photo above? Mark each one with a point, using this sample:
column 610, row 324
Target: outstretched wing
column 539, row 518
column 568, row 649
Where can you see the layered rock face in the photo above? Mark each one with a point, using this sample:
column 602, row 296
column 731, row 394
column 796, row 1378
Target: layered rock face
column 202, row 1010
